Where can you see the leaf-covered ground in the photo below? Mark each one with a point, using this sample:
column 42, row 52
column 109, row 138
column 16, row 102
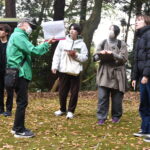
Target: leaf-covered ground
column 80, row 133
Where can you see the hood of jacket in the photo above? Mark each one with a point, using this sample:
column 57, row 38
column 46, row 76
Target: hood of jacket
column 78, row 40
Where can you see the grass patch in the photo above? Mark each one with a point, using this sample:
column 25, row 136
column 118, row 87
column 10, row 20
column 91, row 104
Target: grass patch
column 80, row 133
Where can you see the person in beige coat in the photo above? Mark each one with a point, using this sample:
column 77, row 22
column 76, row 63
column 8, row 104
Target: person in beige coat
column 112, row 55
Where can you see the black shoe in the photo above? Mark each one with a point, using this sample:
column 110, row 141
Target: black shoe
column 25, row 134
column 7, row 113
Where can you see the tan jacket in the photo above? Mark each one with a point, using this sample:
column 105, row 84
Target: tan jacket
column 112, row 74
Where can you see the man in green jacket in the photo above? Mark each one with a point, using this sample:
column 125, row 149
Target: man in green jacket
column 19, row 48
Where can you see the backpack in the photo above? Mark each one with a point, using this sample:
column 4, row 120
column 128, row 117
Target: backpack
column 102, row 47
column 104, row 42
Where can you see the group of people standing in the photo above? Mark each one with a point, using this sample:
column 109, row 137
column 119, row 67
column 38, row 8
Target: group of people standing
column 68, row 60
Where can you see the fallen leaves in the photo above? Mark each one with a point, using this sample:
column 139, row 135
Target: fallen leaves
column 81, row 133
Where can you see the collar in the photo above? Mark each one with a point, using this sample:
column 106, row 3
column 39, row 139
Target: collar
column 142, row 30
column 20, row 30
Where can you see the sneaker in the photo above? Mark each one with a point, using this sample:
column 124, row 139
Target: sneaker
column 101, row 122
column 70, row 115
column 59, row 113
column 147, row 139
column 13, row 131
column 7, row 113
column 139, row 134
column 115, row 120
column 26, row 134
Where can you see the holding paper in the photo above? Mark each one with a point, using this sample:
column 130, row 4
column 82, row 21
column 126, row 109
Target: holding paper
column 54, row 29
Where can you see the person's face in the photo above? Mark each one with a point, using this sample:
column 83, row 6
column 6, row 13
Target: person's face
column 3, row 33
column 73, row 33
column 139, row 23
column 27, row 28
column 26, row 25
column 111, row 28
column 111, row 33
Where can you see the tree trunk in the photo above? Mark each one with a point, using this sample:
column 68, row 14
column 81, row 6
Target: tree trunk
column 89, row 27
column 128, row 24
column 10, row 8
column 83, row 13
column 59, row 7
column 138, row 6
column 92, row 23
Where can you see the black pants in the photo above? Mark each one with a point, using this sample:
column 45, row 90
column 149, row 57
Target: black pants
column 22, row 102
column 66, row 83
column 9, row 100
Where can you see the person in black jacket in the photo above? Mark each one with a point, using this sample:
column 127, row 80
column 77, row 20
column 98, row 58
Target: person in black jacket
column 141, row 72
column 5, row 30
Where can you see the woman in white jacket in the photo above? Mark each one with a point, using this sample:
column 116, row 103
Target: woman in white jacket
column 67, row 60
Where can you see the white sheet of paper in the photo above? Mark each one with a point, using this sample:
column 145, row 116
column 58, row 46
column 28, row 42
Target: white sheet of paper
column 54, row 29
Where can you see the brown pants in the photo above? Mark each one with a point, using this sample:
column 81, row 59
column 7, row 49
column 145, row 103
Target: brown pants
column 66, row 83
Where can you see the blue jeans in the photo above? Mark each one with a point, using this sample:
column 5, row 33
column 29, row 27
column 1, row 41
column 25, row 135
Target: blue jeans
column 144, row 107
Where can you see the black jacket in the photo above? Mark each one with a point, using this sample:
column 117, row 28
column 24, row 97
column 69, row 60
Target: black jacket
column 142, row 54
column 2, row 57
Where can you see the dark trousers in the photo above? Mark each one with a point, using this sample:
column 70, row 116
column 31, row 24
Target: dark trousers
column 9, row 100
column 66, row 83
column 103, row 102
column 144, row 108
column 22, row 102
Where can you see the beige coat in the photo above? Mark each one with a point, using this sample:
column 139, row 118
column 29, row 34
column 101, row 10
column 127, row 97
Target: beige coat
column 112, row 74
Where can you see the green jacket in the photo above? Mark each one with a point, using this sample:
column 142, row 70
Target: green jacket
column 20, row 47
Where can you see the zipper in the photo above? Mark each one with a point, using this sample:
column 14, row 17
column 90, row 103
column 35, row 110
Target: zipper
column 72, row 45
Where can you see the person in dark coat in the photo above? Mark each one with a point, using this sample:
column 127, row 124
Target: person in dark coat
column 141, row 72
column 5, row 31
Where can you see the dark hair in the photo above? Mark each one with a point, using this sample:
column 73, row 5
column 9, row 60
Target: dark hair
column 76, row 27
column 6, row 28
column 116, row 30
column 145, row 18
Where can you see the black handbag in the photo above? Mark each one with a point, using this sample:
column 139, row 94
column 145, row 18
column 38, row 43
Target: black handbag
column 11, row 76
